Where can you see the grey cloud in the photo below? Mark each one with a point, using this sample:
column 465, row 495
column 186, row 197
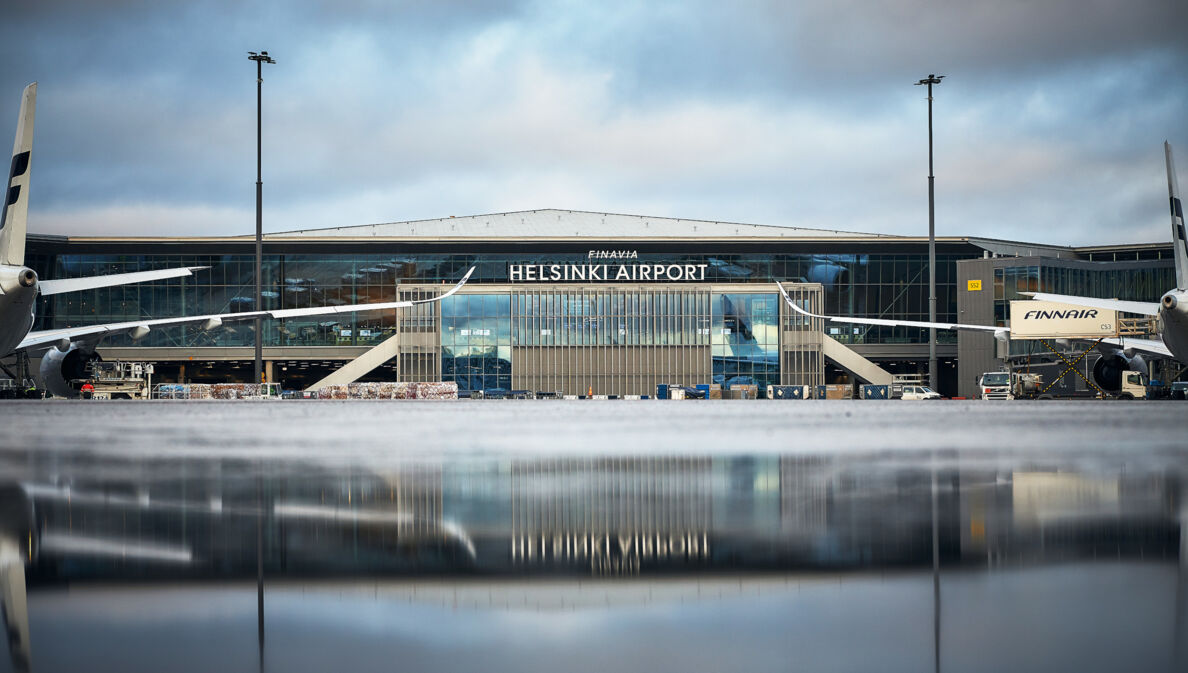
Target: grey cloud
column 769, row 46
column 777, row 112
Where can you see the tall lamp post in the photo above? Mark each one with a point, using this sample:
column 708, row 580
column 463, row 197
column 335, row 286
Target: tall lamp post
column 932, row 373
column 260, row 59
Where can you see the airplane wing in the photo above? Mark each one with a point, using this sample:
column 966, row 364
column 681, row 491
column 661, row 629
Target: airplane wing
column 1145, row 345
column 894, row 323
column 48, row 287
column 1140, row 307
column 97, row 332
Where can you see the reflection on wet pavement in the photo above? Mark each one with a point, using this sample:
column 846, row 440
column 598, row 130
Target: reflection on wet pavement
column 906, row 560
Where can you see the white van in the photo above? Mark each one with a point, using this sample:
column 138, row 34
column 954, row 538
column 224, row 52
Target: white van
column 920, row 393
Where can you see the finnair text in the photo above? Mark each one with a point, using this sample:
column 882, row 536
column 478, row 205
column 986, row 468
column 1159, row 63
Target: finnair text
column 1070, row 314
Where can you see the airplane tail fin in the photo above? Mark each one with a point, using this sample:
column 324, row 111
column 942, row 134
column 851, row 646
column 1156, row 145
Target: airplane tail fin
column 15, row 211
column 1179, row 239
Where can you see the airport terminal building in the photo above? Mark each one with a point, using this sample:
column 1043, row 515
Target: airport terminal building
column 579, row 302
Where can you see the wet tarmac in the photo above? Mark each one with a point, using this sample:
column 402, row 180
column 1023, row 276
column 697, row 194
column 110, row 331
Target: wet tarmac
column 594, row 536
column 387, row 431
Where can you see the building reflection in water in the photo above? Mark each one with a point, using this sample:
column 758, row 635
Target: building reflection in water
column 506, row 522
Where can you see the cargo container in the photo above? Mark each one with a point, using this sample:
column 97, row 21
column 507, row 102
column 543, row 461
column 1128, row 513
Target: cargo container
column 788, row 392
column 876, row 392
column 744, row 391
column 835, row 391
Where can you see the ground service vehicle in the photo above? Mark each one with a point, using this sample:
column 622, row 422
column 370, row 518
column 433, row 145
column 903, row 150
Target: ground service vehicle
column 117, row 380
column 268, row 391
column 1012, row 386
column 920, row 393
column 995, row 386
column 1137, row 386
column 18, row 390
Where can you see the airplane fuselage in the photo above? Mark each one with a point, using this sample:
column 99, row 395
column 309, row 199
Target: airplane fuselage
column 18, row 294
column 1173, row 323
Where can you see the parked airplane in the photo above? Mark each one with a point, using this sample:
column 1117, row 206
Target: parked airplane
column 1171, row 311
column 19, row 285
column 1118, row 355
column 72, row 348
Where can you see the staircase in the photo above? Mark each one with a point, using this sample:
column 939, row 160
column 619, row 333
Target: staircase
column 855, row 364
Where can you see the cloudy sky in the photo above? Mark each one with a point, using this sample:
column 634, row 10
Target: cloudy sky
column 1049, row 125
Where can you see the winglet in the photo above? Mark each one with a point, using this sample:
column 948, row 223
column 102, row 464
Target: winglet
column 791, row 303
column 14, row 208
column 1179, row 239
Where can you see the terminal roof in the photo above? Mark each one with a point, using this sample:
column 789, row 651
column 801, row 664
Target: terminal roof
column 555, row 223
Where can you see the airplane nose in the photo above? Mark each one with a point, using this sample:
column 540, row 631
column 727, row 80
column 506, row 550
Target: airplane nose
column 1169, row 301
column 28, row 277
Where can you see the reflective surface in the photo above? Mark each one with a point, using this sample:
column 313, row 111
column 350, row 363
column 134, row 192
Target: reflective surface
column 594, row 536
column 856, row 284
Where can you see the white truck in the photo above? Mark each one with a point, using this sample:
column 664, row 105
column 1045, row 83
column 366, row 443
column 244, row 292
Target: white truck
column 995, row 386
column 1138, row 386
column 1011, row 386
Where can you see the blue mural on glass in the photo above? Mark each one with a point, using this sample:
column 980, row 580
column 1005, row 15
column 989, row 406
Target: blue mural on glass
column 745, row 342
column 476, row 341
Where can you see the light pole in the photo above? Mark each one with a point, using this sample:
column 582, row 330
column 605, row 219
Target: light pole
column 260, row 59
column 932, row 373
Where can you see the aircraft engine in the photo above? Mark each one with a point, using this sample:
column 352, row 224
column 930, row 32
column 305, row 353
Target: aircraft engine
column 1107, row 371
column 59, row 368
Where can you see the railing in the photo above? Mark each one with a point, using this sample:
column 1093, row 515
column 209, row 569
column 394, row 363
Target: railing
column 1137, row 327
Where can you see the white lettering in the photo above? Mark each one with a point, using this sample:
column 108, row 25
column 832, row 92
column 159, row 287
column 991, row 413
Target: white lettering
column 619, row 272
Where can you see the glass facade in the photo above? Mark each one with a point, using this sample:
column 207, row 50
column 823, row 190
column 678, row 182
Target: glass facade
column 676, row 317
column 600, row 336
column 859, row 285
column 1138, row 284
column 1081, row 279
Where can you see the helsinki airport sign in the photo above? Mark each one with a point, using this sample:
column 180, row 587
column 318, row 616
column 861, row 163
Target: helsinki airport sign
column 605, row 265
